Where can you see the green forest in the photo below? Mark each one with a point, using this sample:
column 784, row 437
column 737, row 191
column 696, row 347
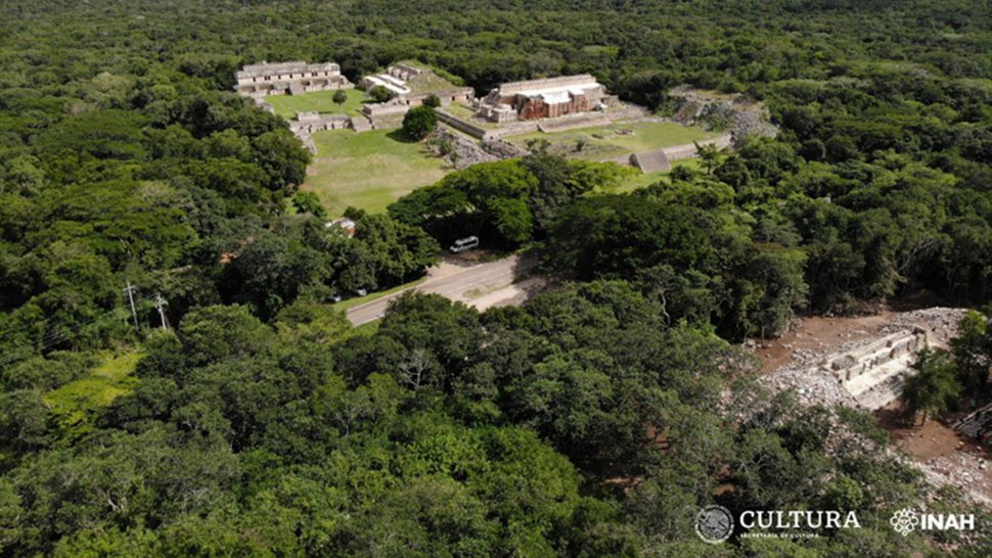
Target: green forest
column 259, row 422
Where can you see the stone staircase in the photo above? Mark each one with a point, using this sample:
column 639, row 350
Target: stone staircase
column 882, row 385
column 874, row 374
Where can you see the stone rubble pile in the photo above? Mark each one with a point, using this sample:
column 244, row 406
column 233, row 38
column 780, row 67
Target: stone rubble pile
column 964, row 471
column 467, row 152
column 743, row 116
column 940, row 323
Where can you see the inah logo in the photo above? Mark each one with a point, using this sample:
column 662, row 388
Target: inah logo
column 904, row 521
column 714, row 524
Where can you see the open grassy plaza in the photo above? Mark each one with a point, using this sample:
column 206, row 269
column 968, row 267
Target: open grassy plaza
column 615, row 140
column 287, row 106
column 369, row 170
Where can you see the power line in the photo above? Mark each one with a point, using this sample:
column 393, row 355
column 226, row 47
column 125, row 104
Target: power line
column 60, row 335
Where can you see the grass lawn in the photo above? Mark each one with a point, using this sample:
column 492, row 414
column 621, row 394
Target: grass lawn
column 74, row 403
column 369, row 170
column 321, row 101
column 640, row 180
column 647, row 136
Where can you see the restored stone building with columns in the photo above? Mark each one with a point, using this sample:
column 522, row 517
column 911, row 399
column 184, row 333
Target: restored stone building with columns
column 259, row 80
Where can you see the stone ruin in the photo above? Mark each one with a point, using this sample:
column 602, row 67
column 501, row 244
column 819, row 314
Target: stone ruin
column 293, row 78
column 743, row 116
column 873, row 374
column 661, row 159
column 309, row 122
column 544, row 98
column 977, row 425
column 410, row 86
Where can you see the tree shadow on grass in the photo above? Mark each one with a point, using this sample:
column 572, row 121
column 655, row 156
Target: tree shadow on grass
column 401, row 136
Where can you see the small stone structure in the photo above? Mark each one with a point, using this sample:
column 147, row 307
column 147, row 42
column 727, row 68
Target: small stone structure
column 977, row 425
column 259, row 80
column 410, row 86
column 661, row 159
column 345, row 224
column 309, row 122
column 874, row 373
column 543, row 98
column 651, row 161
column 742, row 116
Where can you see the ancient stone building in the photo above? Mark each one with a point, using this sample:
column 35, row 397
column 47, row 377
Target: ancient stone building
column 258, row 80
column 410, row 86
column 544, row 98
column 874, row 373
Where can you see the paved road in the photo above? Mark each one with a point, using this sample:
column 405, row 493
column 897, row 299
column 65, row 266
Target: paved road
column 463, row 285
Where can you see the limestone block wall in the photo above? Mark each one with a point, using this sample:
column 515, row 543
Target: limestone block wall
column 531, row 85
column 464, row 126
column 870, row 357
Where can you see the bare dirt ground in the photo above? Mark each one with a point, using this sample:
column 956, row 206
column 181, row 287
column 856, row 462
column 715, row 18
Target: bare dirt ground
column 946, row 457
column 824, row 335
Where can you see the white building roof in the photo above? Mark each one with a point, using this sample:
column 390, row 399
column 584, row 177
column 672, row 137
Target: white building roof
column 398, row 89
column 561, row 94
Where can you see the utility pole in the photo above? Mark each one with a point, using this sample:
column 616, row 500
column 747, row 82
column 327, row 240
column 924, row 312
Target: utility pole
column 160, row 304
column 130, row 296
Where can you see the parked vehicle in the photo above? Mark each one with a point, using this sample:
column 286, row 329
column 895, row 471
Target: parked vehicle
column 361, row 292
column 463, row 244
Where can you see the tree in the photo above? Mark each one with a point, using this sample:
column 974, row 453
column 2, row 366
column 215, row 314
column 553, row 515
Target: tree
column 972, row 351
column 340, row 97
column 308, row 202
column 419, row 122
column 432, row 101
column 710, row 155
column 379, row 94
column 932, row 387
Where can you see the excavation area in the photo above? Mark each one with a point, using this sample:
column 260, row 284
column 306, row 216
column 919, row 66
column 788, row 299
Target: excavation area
column 861, row 362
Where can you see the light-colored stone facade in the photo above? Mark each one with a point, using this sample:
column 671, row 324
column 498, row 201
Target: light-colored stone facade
column 259, row 80
column 544, row 98
column 874, row 373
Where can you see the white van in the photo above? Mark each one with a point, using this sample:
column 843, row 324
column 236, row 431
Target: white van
column 463, row 244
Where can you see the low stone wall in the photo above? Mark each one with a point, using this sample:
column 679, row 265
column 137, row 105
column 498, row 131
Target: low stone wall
column 689, row 151
column 864, row 359
column 461, row 125
column 588, row 120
